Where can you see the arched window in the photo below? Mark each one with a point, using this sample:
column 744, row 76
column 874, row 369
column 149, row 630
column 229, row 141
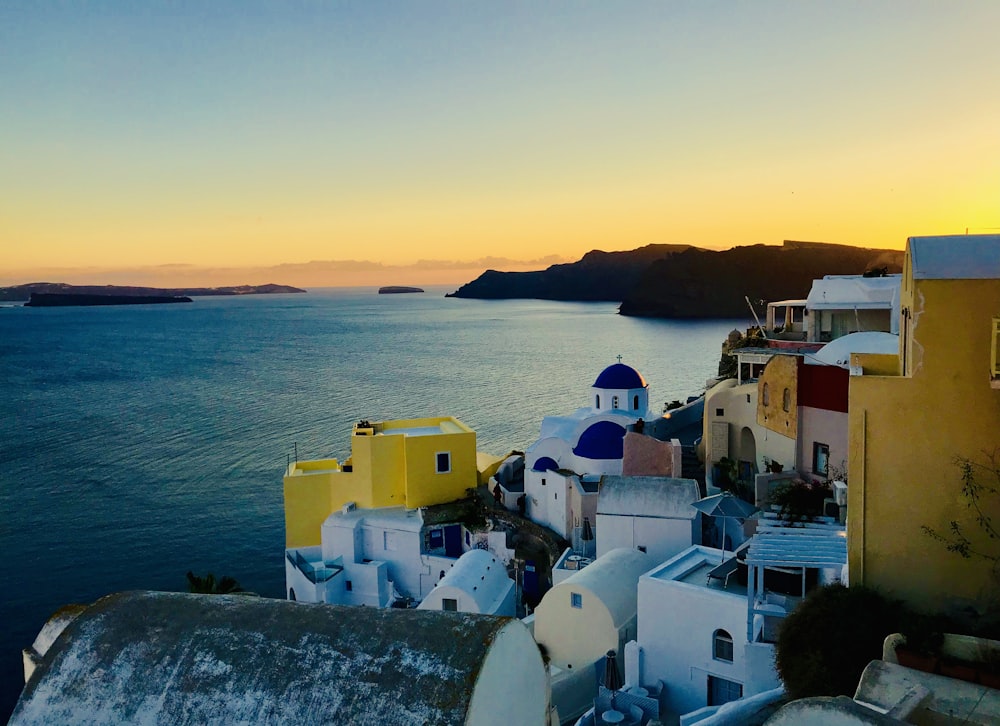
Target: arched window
column 722, row 646
column 635, row 403
column 291, row 594
column 597, row 401
column 614, row 402
column 786, row 400
column 765, row 395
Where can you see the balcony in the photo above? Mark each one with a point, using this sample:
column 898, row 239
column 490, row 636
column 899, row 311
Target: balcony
column 312, row 565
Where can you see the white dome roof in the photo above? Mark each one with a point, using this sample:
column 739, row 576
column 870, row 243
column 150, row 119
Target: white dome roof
column 838, row 352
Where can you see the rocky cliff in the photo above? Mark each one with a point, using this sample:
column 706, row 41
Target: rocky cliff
column 681, row 281
column 597, row 276
column 705, row 284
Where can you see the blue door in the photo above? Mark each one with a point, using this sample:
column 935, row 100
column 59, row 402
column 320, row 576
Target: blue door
column 453, row 540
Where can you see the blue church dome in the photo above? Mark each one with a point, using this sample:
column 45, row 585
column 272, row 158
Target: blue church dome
column 620, row 377
column 602, row 440
column 545, row 463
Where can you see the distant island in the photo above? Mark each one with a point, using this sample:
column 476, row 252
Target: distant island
column 397, row 289
column 64, row 300
column 682, row 281
column 24, row 292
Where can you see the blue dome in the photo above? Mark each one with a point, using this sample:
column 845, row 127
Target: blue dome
column 545, row 463
column 620, row 377
column 602, row 440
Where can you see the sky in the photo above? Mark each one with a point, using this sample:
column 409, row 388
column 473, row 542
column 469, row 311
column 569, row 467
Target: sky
column 226, row 140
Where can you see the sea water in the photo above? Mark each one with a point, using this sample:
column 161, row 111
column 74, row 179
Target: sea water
column 140, row 442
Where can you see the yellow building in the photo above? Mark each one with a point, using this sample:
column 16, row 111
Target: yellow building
column 411, row 463
column 910, row 416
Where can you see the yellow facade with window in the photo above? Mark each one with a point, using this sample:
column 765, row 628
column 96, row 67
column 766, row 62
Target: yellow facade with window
column 911, row 416
column 410, row 462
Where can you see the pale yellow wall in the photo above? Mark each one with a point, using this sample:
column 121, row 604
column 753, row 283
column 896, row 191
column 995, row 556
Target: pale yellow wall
column 383, row 459
column 424, row 485
column 574, row 637
column 780, row 374
column 905, row 432
column 307, row 504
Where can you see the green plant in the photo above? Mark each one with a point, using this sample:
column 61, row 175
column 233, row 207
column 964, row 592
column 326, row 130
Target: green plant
column 980, row 498
column 826, row 642
column 771, row 466
column 800, row 500
column 208, row 585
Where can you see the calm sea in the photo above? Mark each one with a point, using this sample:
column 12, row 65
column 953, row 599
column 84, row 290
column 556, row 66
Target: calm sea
column 137, row 443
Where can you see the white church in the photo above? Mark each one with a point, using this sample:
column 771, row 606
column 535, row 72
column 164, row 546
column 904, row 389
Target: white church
column 562, row 469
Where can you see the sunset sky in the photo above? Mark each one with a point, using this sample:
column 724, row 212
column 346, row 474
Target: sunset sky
column 220, row 135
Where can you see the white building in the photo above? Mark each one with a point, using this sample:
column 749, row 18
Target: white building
column 588, row 441
column 718, row 643
column 476, row 583
column 372, row 557
column 583, row 617
column 652, row 514
column 842, row 304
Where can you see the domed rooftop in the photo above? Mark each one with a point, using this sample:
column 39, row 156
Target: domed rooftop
column 620, row 377
column 602, row 440
column 838, row 352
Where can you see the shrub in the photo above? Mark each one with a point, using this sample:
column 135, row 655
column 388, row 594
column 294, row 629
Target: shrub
column 826, row 642
column 800, row 500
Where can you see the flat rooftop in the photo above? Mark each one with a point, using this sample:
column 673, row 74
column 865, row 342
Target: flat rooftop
column 412, row 431
column 693, row 566
column 700, row 578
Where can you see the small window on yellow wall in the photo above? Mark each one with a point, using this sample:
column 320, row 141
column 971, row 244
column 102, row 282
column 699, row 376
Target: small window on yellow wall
column 786, row 400
column 765, row 395
column 443, row 462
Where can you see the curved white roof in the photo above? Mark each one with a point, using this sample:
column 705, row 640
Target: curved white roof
column 838, row 352
column 479, row 575
column 613, row 578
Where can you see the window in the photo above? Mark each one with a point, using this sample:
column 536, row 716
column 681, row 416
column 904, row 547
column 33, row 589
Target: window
column 597, row 401
column 449, row 604
column 641, row 548
column 436, row 539
column 635, row 403
column 576, row 599
column 722, row 646
column 765, row 395
column 348, row 585
column 722, row 691
column 614, row 402
column 291, row 594
column 543, row 481
column 786, row 400
column 720, row 412
column 821, row 458
column 443, row 462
